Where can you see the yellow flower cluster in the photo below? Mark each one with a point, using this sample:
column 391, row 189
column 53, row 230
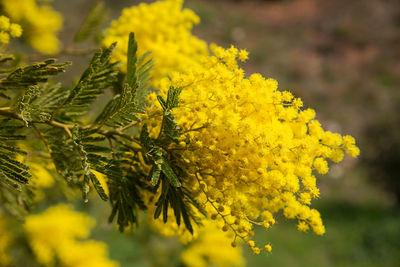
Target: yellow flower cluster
column 212, row 248
column 162, row 28
column 40, row 22
column 57, row 235
column 8, row 29
column 5, row 241
column 253, row 151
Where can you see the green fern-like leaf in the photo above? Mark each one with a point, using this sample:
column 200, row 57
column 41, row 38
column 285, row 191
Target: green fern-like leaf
column 31, row 75
column 99, row 75
column 16, row 172
column 125, row 187
column 40, row 101
column 122, row 109
column 15, row 194
column 89, row 162
column 176, row 198
column 64, row 154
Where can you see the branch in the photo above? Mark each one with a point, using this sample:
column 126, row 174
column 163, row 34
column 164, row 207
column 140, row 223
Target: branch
column 6, row 111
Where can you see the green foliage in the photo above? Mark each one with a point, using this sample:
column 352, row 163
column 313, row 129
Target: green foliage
column 176, row 198
column 122, row 109
column 81, row 150
column 125, row 187
column 87, row 148
column 64, row 154
column 165, row 171
column 173, row 97
column 99, row 75
column 39, row 102
column 14, row 174
column 170, row 129
column 21, row 78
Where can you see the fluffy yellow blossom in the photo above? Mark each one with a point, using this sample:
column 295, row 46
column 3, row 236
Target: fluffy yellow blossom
column 243, row 55
column 301, row 226
column 4, row 23
column 252, row 148
column 8, row 29
column 4, row 37
column 251, row 243
column 59, row 235
column 212, row 248
column 15, row 30
column 40, row 22
column 321, row 165
column 163, row 28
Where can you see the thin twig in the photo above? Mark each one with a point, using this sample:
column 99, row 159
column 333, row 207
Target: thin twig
column 111, row 147
column 41, row 137
column 132, row 124
column 5, row 108
column 67, row 127
column 216, row 209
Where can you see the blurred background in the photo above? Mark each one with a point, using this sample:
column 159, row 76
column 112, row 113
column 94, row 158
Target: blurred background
column 342, row 58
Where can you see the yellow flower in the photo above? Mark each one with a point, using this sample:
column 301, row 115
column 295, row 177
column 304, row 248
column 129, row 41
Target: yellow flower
column 4, row 37
column 15, row 30
column 243, row 55
column 40, row 22
column 59, row 235
column 353, row 151
column 268, row 248
column 7, row 28
column 4, row 23
column 163, row 28
column 258, row 147
column 251, row 149
column 321, row 165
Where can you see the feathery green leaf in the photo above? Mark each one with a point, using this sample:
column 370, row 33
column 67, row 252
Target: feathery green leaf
column 99, row 75
column 124, row 107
